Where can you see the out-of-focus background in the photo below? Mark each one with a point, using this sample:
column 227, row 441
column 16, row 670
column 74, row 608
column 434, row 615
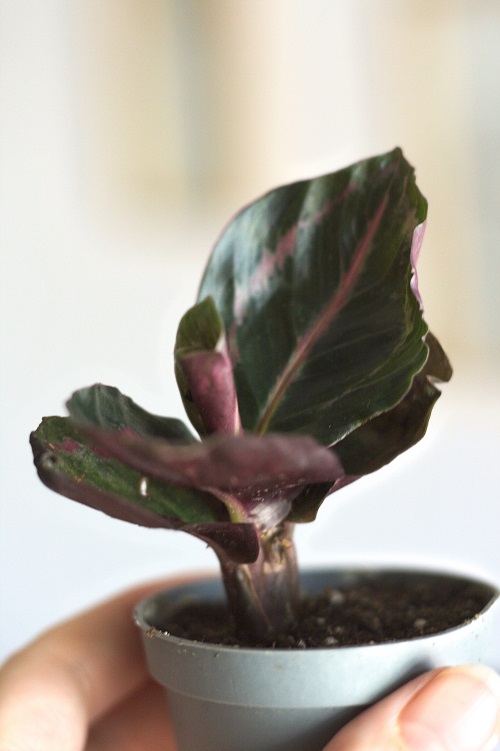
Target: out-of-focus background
column 130, row 132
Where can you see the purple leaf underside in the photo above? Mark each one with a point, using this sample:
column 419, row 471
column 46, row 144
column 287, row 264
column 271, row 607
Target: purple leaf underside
column 255, row 477
column 272, row 463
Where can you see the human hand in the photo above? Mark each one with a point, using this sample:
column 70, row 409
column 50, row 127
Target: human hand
column 83, row 685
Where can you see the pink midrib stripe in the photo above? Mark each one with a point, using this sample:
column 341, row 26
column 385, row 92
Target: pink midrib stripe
column 307, row 342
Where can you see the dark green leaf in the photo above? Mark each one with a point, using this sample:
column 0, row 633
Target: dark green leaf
column 381, row 439
column 315, row 284
column 107, row 408
column 307, row 503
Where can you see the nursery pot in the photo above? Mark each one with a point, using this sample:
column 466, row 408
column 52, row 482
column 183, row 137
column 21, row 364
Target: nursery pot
column 243, row 699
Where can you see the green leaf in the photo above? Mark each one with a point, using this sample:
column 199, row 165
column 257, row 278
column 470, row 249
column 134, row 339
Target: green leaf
column 315, row 284
column 106, row 407
column 67, row 463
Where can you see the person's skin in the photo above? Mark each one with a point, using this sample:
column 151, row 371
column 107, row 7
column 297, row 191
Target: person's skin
column 83, row 686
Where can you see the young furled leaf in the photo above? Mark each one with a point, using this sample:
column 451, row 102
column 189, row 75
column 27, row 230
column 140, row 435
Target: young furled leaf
column 204, row 371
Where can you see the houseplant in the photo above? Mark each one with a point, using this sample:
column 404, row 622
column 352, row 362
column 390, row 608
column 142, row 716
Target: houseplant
column 305, row 364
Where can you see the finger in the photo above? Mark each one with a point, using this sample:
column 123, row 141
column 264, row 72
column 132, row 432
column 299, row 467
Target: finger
column 51, row 691
column 451, row 708
column 139, row 723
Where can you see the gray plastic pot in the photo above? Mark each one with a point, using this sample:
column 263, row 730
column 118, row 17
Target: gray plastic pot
column 233, row 699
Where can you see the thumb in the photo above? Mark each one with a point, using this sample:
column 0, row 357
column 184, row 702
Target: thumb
column 450, row 709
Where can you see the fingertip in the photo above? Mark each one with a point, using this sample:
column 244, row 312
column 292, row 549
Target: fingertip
column 448, row 708
column 459, row 708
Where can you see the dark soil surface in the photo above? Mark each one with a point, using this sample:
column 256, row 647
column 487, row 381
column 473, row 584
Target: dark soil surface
column 366, row 614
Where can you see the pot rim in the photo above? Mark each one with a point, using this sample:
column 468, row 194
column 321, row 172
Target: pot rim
column 349, row 572
column 305, row 678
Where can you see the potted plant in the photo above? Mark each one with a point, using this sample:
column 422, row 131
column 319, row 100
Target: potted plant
column 305, row 364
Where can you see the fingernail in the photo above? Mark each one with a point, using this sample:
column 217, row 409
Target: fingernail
column 457, row 709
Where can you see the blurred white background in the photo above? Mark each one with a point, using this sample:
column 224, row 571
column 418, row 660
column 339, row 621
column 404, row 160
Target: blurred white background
column 130, row 132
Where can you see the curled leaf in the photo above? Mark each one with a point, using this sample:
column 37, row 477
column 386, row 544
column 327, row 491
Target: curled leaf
column 378, row 441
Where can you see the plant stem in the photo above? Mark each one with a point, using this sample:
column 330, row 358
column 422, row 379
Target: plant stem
column 263, row 595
